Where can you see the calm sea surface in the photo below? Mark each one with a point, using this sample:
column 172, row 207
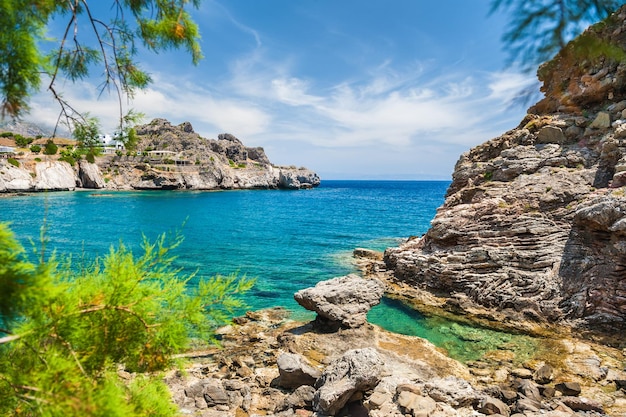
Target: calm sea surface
column 288, row 240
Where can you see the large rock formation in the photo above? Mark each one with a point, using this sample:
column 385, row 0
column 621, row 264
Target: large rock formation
column 534, row 222
column 168, row 157
column 342, row 301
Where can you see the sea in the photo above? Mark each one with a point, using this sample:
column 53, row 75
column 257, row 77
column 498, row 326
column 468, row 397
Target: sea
column 285, row 240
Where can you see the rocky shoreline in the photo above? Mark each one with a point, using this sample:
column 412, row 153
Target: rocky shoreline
column 333, row 366
column 167, row 157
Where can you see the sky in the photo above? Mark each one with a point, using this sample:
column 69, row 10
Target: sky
column 352, row 89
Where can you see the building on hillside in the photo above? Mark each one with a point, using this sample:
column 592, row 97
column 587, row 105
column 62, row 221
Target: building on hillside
column 6, row 151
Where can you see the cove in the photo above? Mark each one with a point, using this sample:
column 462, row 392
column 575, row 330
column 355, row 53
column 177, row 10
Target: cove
column 287, row 240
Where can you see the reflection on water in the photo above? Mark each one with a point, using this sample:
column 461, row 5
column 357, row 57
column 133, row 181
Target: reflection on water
column 461, row 341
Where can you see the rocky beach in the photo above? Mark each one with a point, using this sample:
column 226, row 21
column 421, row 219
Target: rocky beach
column 530, row 239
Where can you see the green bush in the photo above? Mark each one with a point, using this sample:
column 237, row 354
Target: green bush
column 69, row 159
column 91, row 158
column 35, row 149
column 37, row 159
column 68, row 329
column 21, row 141
column 50, row 148
column 6, row 135
column 13, row 162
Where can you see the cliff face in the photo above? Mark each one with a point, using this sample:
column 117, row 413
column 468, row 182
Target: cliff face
column 534, row 222
column 167, row 157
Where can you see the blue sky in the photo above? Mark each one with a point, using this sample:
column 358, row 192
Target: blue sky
column 353, row 89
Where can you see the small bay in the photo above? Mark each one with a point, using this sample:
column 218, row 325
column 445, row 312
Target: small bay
column 287, row 240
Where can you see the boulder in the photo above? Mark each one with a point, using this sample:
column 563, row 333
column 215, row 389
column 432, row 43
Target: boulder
column 582, row 404
column 302, row 397
column 544, row 374
column 344, row 300
column 415, row 404
column 491, row 406
column 295, row 371
column 358, row 370
column 89, row 175
column 571, row 389
column 54, row 176
column 296, row 178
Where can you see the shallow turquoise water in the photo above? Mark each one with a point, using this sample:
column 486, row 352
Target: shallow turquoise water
column 287, row 240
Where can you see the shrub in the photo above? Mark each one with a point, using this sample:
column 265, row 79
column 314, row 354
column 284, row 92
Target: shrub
column 50, row 148
column 68, row 329
column 90, row 157
column 35, row 149
column 37, row 159
column 21, row 141
column 13, row 162
column 69, row 159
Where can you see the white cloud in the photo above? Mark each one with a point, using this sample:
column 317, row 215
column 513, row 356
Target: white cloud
column 400, row 117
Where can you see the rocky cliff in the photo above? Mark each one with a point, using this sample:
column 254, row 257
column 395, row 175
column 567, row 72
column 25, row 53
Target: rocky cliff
column 534, row 222
column 167, row 157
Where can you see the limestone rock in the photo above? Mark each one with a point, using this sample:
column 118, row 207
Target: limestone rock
column 90, row 176
column 356, row 371
column 295, row 371
column 13, row 178
column 295, row 178
column 530, row 227
column 491, row 406
column 345, row 300
column 302, row 397
column 582, row 404
column 551, row 134
column 544, row 374
column 568, row 388
column 602, row 121
column 58, row 176
column 167, row 157
column 417, row 405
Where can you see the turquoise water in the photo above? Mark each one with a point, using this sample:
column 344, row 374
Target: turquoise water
column 288, row 240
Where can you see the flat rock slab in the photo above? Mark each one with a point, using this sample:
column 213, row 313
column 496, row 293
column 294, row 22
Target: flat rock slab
column 345, row 300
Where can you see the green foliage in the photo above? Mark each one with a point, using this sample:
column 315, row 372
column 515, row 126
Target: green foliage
column 86, row 132
column 538, row 29
column 50, row 148
column 91, row 158
column 85, row 40
column 35, row 148
column 68, row 328
column 21, row 141
column 13, row 162
column 6, row 135
column 70, row 156
column 128, row 134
